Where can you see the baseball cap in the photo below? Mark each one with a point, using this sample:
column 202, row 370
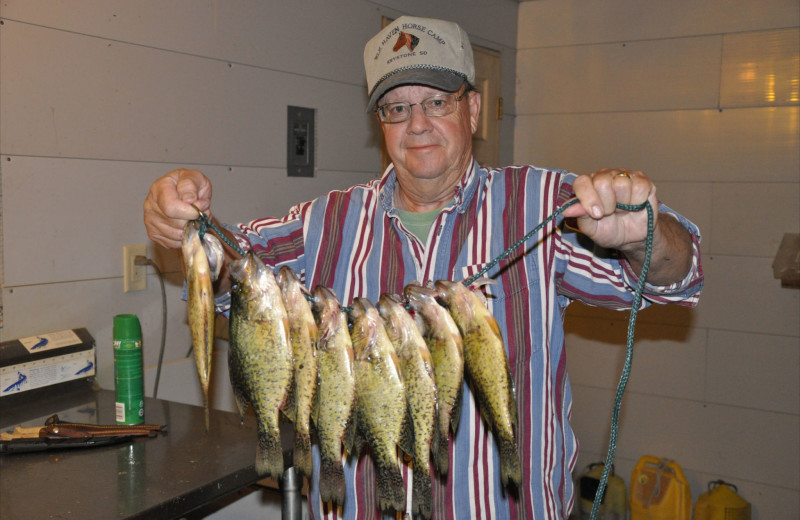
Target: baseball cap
column 424, row 51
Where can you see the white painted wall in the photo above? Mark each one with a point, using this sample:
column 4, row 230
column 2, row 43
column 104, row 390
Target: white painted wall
column 702, row 96
column 98, row 98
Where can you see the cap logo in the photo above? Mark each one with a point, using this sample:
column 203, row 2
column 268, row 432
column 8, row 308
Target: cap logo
column 420, row 51
column 405, row 40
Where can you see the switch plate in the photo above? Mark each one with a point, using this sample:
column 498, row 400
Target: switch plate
column 300, row 141
column 134, row 276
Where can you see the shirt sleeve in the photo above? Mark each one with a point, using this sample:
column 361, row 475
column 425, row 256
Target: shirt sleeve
column 602, row 277
column 276, row 241
column 682, row 291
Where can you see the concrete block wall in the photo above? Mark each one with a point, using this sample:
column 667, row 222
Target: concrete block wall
column 704, row 98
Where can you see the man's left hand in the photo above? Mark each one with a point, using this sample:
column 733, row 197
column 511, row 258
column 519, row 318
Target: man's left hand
column 598, row 216
column 626, row 231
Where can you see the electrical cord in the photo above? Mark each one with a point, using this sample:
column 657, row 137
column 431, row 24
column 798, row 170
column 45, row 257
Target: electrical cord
column 143, row 260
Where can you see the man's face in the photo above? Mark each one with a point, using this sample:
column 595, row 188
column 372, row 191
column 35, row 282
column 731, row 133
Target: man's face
column 430, row 148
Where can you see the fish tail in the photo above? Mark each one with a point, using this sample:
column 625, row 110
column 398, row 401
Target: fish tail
column 422, row 498
column 391, row 488
column 510, row 469
column 441, row 452
column 331, row 481
column 302, row 453
column 269, row 454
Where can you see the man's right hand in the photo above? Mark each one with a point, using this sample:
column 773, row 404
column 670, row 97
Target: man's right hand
column 168, row 205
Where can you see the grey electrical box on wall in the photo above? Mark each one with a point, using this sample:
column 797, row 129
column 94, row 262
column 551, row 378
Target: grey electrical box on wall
column 300, row 141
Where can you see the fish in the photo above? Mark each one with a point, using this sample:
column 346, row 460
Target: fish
column 381, row 401
column 447, row 353
column 334, row 407
column 260, row 358
column 304, row 337
column 487, row 369
column 200, row 300
column 417, row 369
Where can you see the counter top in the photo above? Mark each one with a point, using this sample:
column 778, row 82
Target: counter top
column 161, row 477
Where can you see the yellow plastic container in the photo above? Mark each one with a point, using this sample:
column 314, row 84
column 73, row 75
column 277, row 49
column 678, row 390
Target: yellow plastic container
column 613, row 506
column 721, row 502
column 659, row 491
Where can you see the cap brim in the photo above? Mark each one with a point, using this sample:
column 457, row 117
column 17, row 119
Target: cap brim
column 437, row 78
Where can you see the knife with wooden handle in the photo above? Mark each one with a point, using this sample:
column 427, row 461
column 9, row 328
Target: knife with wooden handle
column 56, row 434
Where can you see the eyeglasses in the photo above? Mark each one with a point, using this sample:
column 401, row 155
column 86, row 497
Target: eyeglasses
column 434, row 106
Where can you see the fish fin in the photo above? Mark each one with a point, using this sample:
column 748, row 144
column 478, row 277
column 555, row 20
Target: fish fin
column 422, row 496
column 483, row 280
column 212, row 248
column 313, row 332
column 355, row 439
column 512, row 402
column 351, row 438
column 289, row 407
column 406, row 440
column 455, row 413
column 242, row 403
column 234, row 371
column 495, row 328
column 391, row 488
column 314, row 415
column 331, row 481
column 269, row 454
column 302, row 453
column 510, row 469
column 440, row 448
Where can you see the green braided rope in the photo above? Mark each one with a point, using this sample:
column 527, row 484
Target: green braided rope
column 206, row 223
column 637, row 300
column 518, row 243
column 626, row 369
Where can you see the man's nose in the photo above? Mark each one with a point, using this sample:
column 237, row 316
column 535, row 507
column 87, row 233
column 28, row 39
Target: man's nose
column 417, row 118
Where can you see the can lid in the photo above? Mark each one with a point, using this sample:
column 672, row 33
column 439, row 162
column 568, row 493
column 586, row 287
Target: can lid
column 126, row 326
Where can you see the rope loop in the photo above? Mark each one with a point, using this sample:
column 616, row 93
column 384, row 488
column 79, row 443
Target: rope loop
column 626, row 369
column 206, row 223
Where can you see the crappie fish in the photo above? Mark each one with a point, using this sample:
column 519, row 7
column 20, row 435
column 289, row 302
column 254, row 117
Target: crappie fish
column 488, row 370
column 334, row 408
column 200, row 299
column 304, row 337
column 446, row 348
column 260, row 355
column 417, row 369
column 381, row 404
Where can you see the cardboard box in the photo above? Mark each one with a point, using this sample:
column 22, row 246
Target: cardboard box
column 46, row 359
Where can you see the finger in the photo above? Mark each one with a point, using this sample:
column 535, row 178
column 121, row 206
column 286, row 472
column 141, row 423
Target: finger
column 178, row 194
column 633, row 187
column 166, row 235
column 589, row 203
column 622, row 181
column 166, row 209
column 194, row 187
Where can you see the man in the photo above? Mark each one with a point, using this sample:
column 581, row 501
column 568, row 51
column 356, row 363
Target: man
column 436, row 214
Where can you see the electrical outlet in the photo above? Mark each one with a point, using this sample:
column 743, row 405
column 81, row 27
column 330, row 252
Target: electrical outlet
column 134, row 276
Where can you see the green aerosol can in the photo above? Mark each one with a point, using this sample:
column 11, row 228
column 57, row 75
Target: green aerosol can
column 128, row 372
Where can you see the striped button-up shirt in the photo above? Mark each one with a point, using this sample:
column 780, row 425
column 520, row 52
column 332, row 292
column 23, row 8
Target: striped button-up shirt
column 353, row 242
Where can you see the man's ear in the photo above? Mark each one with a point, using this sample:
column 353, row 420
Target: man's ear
column 474, row 109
